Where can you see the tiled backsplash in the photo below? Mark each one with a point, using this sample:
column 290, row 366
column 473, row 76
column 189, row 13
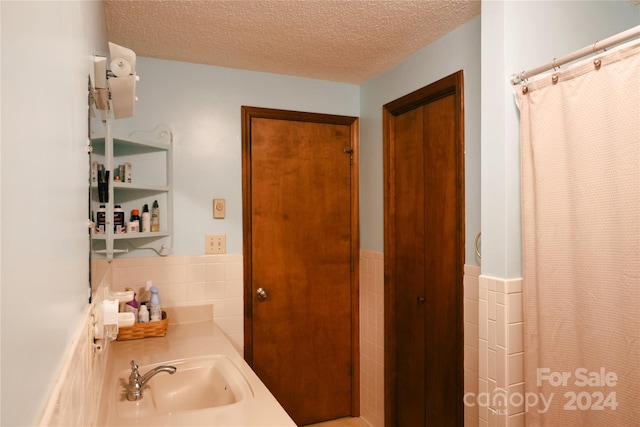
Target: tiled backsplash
column 191, row 280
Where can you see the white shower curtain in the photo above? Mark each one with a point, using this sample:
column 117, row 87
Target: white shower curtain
column 580, row 143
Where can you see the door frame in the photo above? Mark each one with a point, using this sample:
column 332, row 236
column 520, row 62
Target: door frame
column 249, row 113
column 450, row 85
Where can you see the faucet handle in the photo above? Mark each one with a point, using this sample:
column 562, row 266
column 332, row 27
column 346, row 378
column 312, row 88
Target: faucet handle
column 135, row 375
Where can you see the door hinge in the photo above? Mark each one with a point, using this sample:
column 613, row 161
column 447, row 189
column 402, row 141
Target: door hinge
column 349, row 150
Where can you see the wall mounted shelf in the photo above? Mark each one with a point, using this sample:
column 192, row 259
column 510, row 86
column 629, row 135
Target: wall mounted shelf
column 149, row 154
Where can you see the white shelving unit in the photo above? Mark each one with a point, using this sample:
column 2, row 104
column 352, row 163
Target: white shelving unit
column 150, row 155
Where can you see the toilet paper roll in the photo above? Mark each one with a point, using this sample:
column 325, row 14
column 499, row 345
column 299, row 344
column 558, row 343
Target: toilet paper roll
column 121, row 52
column 120, row 67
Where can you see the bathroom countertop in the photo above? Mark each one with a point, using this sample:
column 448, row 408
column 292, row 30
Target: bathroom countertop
column 197, row 337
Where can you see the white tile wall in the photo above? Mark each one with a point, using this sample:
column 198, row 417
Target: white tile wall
column 372, row 338
column 75, row 399
column 501, row 357
column 471, row 343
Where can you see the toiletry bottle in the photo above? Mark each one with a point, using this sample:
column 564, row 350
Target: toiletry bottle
column 135, row 218
column 102, row 219
column 143, row 314
column 154, row 302
column 155, row 216
column 146, row 219
column 118, row 219
column 132, row 307
column 145, row 293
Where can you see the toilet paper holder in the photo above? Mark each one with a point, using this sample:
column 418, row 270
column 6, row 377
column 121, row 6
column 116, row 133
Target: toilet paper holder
column 106, row 320
column 119, row 81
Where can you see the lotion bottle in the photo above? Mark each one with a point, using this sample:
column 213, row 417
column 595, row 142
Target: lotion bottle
column 154, row 302
column 102, row 220
column 118, row 220
column 146, row 219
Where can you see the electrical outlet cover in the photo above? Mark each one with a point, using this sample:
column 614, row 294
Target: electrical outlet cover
column 215, row 244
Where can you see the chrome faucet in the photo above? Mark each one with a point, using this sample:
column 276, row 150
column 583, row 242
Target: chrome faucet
column 136, row 382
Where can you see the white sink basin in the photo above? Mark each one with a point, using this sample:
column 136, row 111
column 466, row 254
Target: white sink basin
column 198, row 383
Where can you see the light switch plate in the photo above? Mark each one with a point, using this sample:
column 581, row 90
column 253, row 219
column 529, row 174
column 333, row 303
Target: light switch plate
column 219, row 208
column 215, row 244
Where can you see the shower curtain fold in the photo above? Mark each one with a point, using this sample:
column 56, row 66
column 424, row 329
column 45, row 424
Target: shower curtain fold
column 580, row 154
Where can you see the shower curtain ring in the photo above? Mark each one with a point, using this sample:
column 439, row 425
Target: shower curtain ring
column 553, row 63
column 595, row 49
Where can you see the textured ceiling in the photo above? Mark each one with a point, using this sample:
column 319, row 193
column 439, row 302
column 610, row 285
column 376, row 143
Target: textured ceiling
column 347, row 41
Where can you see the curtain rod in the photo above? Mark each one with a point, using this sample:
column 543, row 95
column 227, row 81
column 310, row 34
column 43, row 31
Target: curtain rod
column 588, row 50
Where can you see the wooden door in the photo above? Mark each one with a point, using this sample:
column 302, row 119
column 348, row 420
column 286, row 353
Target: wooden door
column 424, row 256
column 301, row 248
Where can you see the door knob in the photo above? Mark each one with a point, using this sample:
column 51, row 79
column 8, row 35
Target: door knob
column 262, row 294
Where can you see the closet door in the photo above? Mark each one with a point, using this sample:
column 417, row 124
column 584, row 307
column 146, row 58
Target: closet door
column 424, row 256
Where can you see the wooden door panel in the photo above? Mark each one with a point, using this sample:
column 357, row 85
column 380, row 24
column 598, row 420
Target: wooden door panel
column 410, row 244
column 301, row 254
column 441, row 261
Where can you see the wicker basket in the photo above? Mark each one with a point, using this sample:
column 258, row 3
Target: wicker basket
column 144, row 330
